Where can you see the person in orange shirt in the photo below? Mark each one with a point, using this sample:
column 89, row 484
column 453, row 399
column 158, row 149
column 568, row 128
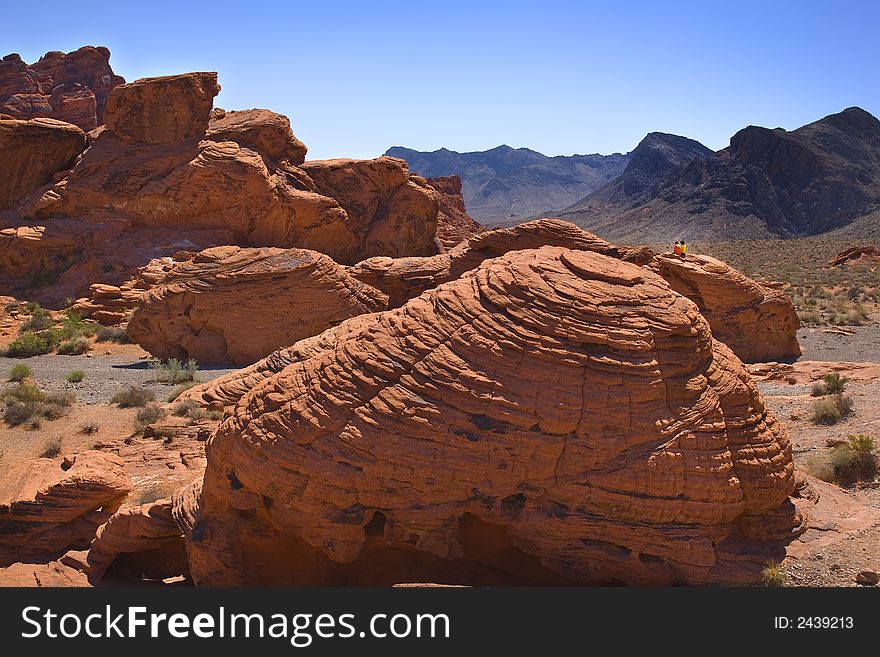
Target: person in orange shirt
column 677, row 249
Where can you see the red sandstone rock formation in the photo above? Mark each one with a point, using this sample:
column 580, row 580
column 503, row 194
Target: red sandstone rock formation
column 142, row 539
column 758, row 323
column 163, row 110
column 266, row 132
column 405, row 278
column 454, row 224
column 164, row 161
column 52, row 505
column 230, row 304
column 864, row 254
column 569, row 406
column 33, row 152
column 70, row 87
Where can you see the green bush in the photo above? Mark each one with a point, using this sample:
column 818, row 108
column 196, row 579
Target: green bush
column 72, row 326
column 831, row 384
column 74, row 347
column 112, row 334
column 855, row 460
column 27, row 345
column 132, row 397
column 51, row 448
column 173, row 371
column 75, row 376
column 39, row 321
column 26, row 392
column 832, row 409
column 19, row 372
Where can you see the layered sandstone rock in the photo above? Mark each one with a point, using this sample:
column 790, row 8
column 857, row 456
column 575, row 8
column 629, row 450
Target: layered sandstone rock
column 230, row 304
column 865, row 254
column 70, row 87
column 454, row 224
column 758, row 323
column 162, row 110
column 33, row 152
column 405, row 278
column 261, row 130
column 553, row 415
column 144, row 538
column 166, row 161
column 51, row 505
column 390, row 212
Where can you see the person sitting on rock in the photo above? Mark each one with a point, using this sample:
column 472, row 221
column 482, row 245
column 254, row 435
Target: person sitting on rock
column 684, row 249
column 677, row 248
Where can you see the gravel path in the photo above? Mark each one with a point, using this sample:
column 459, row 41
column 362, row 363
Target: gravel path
column 862, row 346
column 105, row 375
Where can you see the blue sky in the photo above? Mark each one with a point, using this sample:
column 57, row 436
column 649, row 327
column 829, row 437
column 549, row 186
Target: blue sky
column 558, row 77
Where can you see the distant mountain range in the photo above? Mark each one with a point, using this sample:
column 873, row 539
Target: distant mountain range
column 505, row 184
column 820, row 178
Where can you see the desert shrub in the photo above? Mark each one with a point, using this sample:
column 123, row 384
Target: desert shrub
column 132, row 397
column 185, row 408
column 75, row 376
column 150, row 495
column 852, row 461
column 51, row 448
column 810, row 317
column 832, row 409
column 26, row 392
column 73, row 326
column 64, row 398
column 39, row 321
column 174, row 394
column 17, row 412
column 27, row 345
column 173, row 371
column 74, row 347
column 106, row 267
column 52, row 411
column 147, row 415
column 89, row 428
column 166, row 433
column 831, row 384
column 111, row 334
column 19, row 372
column 773, row 574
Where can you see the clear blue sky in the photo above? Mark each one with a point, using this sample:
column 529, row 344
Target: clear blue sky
column 559, row 77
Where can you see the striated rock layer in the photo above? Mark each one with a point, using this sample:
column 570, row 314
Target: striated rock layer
column 52, row 505
column 236, row 305
column 757, row 322
column 553, row 416
column 33, row 152
column 454, row 224
column 405, row 278
column 71, row 87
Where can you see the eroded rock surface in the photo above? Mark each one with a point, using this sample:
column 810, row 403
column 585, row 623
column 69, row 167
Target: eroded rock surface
column 33, row 152
column 71, row 87
column 52, row 505
column 230, row 304
column 454, row 224
column 757, row 322
column 553, row 415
